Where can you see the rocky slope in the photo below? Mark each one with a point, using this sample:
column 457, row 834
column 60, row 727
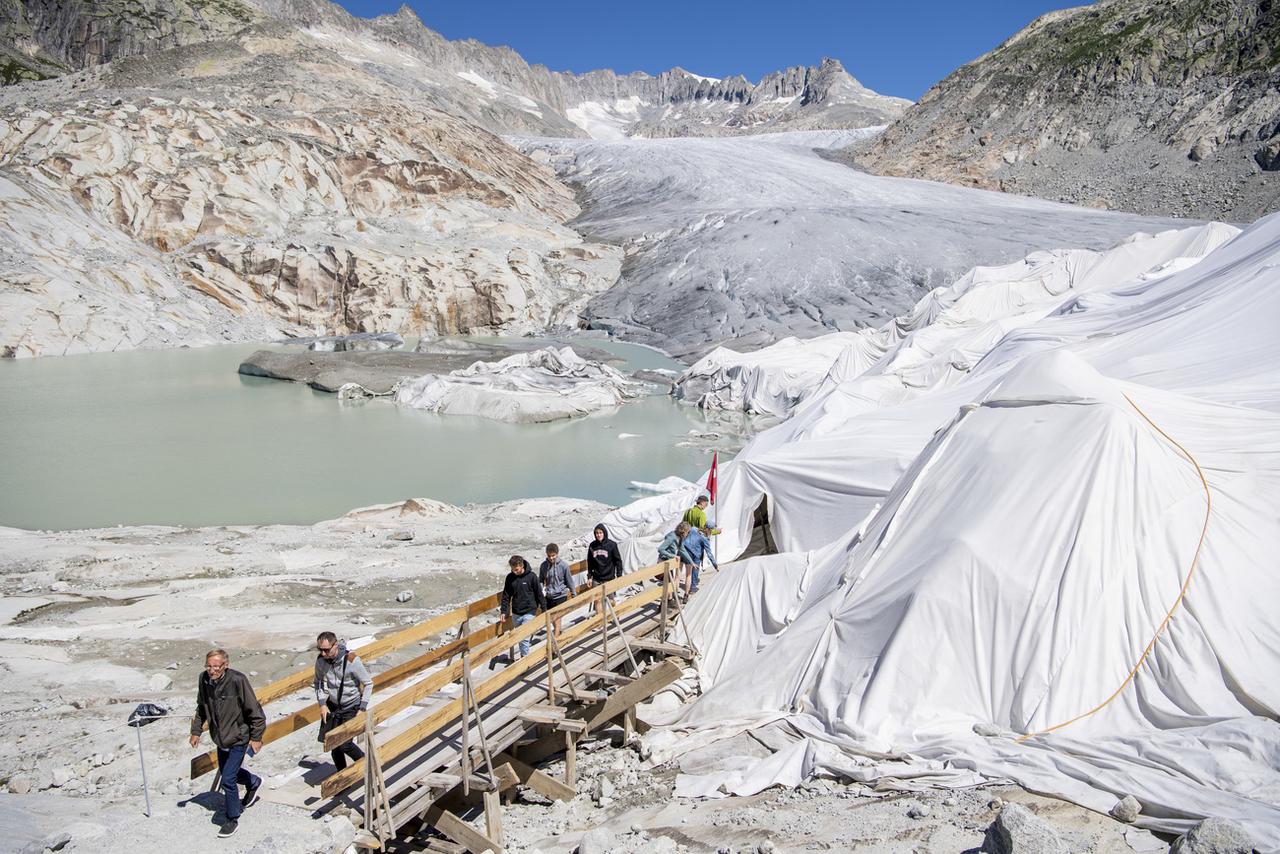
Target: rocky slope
column 1156, row 106
column 491, row 86
column 267, row 183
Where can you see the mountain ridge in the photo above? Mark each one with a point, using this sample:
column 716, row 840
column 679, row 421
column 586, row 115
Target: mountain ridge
column 520, row 97
column 1081, row 102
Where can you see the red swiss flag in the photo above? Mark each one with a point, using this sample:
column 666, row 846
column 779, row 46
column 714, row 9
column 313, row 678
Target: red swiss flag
column 711, row 478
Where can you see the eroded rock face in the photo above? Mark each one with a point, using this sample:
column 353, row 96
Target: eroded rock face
column 1184, row 93
column 288, row 190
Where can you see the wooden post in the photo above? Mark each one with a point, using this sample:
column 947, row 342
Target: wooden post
column 551, row 663
column 604, row 625
column 628, row 724
column 666, row 593
column 493, row 816
column 466, row 724
column 463, row 630
column 570, row 759
column 470, row 692
column 568, row 677
column 370, row 754
column 622, row 633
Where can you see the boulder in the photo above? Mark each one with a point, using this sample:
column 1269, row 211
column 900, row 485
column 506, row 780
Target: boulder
column 61, row 776
column 1268, row 157
column 19, row 785
column 1017, row 830
column 1127, row 809
column 1202, row 149
column 403, row 536
column 596, row 841
column 604, row 788
column 404, row 595
column 1214, row 836
column 160, row 682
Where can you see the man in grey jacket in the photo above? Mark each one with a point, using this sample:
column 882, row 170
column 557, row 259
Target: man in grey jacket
column 343, row 689
column 557, row 581
column 226, row 702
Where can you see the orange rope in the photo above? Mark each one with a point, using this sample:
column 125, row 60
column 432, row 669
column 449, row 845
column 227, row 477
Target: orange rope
column 1208, row 509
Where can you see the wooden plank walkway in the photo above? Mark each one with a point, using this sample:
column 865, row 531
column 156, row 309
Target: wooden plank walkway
column 456, row 728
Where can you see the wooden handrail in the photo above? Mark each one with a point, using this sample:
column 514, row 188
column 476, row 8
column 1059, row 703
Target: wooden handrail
column 480, row 654
column 404, row 741
column 303, row 677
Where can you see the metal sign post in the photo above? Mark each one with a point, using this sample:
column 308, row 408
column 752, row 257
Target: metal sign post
column 143, row 714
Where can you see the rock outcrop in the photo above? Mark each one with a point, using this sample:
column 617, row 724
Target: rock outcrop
column 83, row 33
column 1152, row 106
column 277, row 187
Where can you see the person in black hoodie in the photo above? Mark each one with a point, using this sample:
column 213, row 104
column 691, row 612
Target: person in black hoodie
column 522, row 597
column 604, row 563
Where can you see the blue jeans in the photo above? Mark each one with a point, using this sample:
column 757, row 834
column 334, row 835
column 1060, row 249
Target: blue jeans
column 230, row 762
column 693, row 569
column 518, row 620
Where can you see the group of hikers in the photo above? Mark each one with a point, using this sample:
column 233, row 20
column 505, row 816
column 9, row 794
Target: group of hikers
column 227, row 704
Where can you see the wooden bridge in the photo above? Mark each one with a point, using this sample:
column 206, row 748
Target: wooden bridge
column 450, row 738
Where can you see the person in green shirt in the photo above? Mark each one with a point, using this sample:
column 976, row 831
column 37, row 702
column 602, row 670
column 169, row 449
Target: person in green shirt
column 696, row 516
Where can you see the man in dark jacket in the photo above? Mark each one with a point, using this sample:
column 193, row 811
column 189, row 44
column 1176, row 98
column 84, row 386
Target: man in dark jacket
column 226, row 702
column 604, row 563
column 343, row 689
column 522, row 597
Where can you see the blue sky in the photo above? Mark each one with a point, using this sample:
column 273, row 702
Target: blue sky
column 897, row 47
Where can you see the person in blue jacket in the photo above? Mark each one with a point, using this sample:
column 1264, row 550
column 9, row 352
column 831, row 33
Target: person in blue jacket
column 694, row 548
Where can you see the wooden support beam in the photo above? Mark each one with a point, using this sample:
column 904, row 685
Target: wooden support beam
column 570, row 759
column 461, row 832
column 654, row 680
column 543, row 784
column 493, row 816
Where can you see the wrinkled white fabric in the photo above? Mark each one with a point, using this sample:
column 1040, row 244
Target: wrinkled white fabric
column 996, row 549
column 945, row 334
column 540, row 385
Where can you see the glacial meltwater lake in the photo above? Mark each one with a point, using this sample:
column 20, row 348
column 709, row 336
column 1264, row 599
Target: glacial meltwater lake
column 178, row 437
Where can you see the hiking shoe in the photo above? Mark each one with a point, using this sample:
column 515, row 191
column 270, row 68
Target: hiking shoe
column 227, row 829
column 251, row 795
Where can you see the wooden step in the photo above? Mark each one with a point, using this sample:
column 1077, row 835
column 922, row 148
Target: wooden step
column 439, row 780
column 661, row 647
column 607, row 676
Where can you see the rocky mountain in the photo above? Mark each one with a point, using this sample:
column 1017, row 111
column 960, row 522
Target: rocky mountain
column 679, row 103
column 264, row 184
column 1156, row 106
column 490, row 86
column 47, row 38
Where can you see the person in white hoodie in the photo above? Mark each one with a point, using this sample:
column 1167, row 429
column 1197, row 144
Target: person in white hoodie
column 343, row 689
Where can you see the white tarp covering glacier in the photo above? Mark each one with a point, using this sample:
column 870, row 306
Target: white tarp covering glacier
column 1015, row 545
column 945, row 333
column 540, row 385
